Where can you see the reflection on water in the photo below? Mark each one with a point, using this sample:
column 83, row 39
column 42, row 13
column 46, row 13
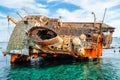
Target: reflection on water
column 67, row 70
column 107, row 68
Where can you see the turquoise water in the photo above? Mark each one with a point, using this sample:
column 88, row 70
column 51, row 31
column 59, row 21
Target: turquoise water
column 107, row 68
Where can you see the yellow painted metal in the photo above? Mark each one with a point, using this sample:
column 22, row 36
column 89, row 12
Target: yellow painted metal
column 12, row 19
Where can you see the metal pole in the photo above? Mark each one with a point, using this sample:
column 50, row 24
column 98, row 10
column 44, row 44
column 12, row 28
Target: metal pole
column 102, row 21
column 94, row 18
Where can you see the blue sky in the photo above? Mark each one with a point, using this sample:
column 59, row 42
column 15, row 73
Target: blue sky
column 70, row 10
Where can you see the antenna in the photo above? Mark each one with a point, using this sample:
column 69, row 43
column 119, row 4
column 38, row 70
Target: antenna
column 19, row 15
column 102, row 21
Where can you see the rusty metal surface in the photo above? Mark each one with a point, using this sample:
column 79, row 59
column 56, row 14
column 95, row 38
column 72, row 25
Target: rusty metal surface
column 50, row 35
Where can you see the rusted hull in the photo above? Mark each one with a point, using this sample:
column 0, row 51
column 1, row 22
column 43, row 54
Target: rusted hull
column 94, row 53
column 40, row 36
column 89, row 53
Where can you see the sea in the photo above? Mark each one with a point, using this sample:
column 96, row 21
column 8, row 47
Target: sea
column 106, row 68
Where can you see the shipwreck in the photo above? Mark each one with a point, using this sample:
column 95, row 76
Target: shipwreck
column 37, row 36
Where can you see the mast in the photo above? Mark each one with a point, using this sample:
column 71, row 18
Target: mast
column 102, row 21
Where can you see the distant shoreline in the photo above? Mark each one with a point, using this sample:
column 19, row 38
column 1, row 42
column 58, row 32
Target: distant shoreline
column 3, row 42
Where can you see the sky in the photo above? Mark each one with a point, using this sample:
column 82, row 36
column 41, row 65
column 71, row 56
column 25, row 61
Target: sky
column 69, row 10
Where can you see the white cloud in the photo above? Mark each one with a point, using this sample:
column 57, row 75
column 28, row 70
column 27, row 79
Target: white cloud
column 116, row 24
column 89, row 6
column 37, row 10
column 94, row 4
column 31, row 6
column 52, row 0
column 2, row 15
column 75, row 16
column 79, row 15
column 5, row 30
column 113, row 14
column 4, row 38
column 98, row 7
column 4, row 23
column 16, row 3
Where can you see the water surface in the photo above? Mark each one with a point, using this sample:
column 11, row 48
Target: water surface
column 107, row 68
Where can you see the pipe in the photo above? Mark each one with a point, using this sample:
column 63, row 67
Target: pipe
column 12, row 19
column 94, row 18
